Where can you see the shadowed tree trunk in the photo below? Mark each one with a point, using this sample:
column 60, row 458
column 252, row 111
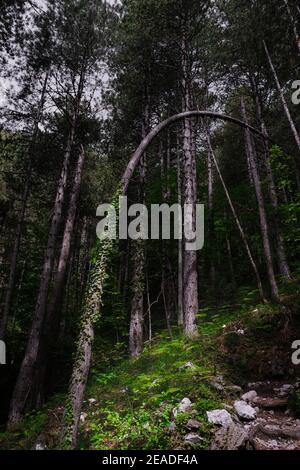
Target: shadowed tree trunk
column 264, row 227
column 23, row 393
column 21, row 218
column 52, row 321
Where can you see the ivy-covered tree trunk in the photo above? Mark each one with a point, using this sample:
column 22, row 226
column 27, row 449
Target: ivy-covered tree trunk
column 81, row 367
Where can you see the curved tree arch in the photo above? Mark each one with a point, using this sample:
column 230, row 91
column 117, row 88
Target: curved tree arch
column 94, row 289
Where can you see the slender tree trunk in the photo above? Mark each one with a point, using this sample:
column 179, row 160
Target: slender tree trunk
column 21, row 218
column 59, row 278
column 190, row 275
column 280, row 247
column 237, row 220
column 180, row 254
column 13, row 264
column 212, row 270
column 294, row 25
column 23, row 393
column 136, row 340
column 52, row 322
column 136, row 343
column 261, row 208
column 283, row 100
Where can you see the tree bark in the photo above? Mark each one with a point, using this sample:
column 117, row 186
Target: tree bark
column 136, row 343
column 264, row 227
column 180, row 315
column 190, row 275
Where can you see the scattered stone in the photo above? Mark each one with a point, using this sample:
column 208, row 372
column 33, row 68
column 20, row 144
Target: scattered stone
column 219, row 417
column 244, row 410
column 83, row 417
column 92, row 401
column 40, row 446
column 185, row 406
column 193, row 424
column 232, row 437
column 249, row 396
column 193, row 438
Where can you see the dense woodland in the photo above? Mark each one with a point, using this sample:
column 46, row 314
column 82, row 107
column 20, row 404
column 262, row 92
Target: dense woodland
column 83, row 83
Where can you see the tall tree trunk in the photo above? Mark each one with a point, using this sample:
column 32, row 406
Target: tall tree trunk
column 52, row 320
column 294, row 25
column 190, row 275
column 283, row 100
column 136, row 343
column 180, row 314
column 21, row 217
column 237, row 220
column 23, row 393
column 212, row 270
column 261, row 207
column 280, row 246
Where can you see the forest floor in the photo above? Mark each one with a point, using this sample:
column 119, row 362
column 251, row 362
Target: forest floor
column 161, row 399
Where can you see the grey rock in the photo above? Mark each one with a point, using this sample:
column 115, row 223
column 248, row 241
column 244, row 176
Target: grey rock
column 249, row 396
column 193, row 424
column 219, row 417
column 244, row 411
column 185, row 406
column 232, row 437
column 193, row 438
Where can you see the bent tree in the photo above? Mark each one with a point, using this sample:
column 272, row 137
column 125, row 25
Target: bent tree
column 94, row 290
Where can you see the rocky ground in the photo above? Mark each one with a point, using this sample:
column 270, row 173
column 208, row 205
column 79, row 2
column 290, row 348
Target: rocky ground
column 259, row 420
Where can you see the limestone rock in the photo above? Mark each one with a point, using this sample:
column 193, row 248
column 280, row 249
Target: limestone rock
column 219, row 417
column 244, row 411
